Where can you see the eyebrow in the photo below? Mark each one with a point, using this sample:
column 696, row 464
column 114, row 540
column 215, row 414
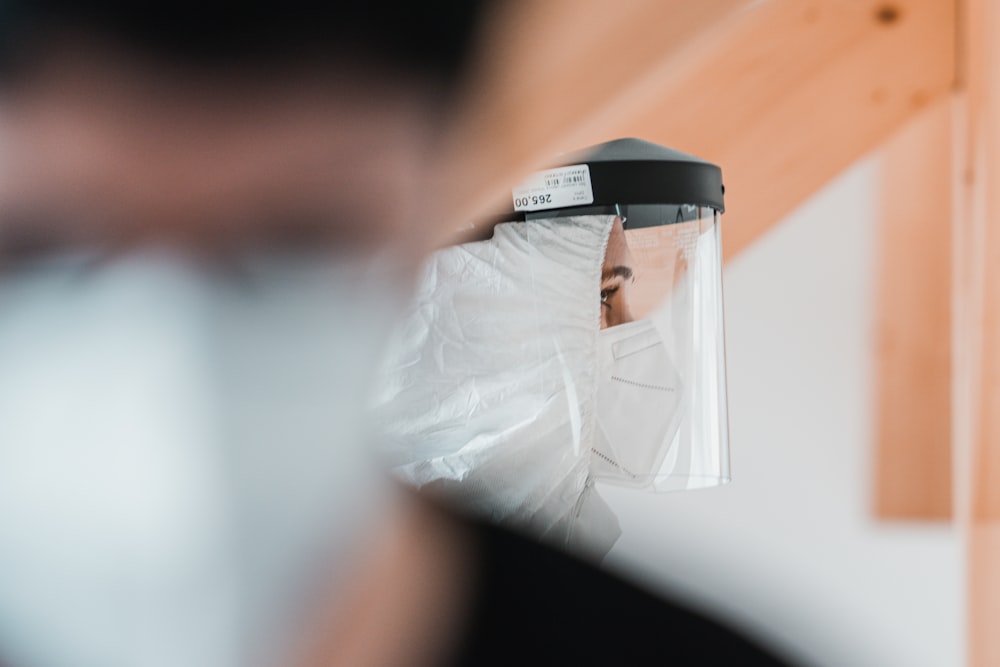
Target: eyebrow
column 617, row 271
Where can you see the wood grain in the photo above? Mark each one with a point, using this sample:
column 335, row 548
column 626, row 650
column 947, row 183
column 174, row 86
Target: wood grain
column 913, row 477
column 782, row 94
column 979, row 331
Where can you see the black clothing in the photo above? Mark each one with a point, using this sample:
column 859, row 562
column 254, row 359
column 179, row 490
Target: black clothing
column 537, row 606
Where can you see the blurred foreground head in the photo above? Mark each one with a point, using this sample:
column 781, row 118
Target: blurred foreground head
column 207, row 220
column 277, row 122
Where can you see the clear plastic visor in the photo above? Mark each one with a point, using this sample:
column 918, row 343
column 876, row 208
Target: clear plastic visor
column 660, row 404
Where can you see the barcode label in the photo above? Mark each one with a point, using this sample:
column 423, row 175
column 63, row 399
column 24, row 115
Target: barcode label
column 555, row 188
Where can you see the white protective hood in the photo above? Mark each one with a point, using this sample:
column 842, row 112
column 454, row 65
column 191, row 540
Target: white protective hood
column 490, row 390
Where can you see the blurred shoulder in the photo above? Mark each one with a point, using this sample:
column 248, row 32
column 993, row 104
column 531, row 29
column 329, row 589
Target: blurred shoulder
column 531, row 604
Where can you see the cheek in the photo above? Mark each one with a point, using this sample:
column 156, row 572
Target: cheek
column 626, row 294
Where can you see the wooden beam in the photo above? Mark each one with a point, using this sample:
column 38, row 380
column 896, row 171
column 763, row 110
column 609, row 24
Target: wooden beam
column 980, row 325
column 851, row 75
column 913, row 477
column 548, row 72
column 782, row 94
column 984, row 594
column 984, row 175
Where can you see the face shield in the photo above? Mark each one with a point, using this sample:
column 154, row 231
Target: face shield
column 660, row 402
column 581, row 343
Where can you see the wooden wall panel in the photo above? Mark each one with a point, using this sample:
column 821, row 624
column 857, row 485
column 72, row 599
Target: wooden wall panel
column 913, row 477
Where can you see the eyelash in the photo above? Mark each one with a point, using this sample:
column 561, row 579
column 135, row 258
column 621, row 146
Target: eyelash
column 606, row 294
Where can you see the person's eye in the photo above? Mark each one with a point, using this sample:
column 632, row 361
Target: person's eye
column 607, row 293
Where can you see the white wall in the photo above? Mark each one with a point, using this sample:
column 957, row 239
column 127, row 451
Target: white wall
column 790, row 547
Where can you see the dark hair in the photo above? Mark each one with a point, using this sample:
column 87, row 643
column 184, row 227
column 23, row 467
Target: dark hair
column 429, row 38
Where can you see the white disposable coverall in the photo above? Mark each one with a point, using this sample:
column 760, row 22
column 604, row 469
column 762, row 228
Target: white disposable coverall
column 489, row 391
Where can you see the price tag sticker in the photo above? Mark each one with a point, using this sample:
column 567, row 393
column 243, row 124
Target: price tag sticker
column 555, row 188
